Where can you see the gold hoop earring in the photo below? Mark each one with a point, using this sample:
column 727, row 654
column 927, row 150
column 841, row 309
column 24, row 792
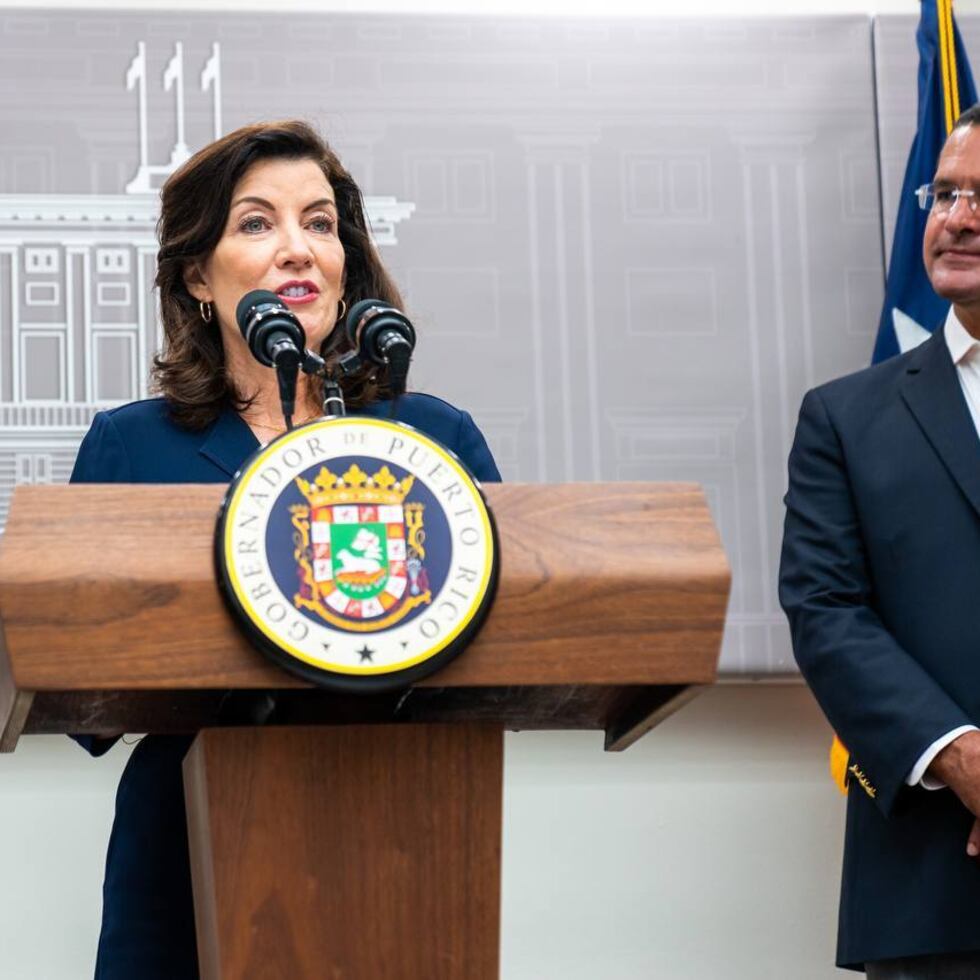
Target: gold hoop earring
column 343, row 310
column 207, row 311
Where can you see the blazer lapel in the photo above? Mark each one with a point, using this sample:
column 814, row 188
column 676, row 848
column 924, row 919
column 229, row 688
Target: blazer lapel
column 931, row 389
column 229, row 443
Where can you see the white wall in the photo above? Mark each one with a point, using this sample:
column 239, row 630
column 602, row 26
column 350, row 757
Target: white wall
column 531, row 8
column 711, row 849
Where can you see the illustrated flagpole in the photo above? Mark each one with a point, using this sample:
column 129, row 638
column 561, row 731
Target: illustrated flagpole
column 211, row 79
column 173, row 78
column 137, row 72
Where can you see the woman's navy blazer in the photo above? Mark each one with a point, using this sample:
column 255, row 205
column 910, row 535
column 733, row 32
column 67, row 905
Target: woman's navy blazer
column 147, row 914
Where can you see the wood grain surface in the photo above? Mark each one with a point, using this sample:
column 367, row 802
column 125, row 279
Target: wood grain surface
column 351, row 853
column 112, row 588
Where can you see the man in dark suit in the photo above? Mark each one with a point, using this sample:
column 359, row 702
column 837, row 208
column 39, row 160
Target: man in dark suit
column 880, row 579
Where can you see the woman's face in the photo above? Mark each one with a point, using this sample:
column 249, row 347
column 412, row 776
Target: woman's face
column 281, row 235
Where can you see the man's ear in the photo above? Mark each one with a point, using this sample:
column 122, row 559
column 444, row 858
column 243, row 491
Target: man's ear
column 195, row 282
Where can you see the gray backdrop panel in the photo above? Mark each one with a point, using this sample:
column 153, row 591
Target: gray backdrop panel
column 634, row 244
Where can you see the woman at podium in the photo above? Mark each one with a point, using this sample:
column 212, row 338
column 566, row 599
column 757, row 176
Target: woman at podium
column 268, row 206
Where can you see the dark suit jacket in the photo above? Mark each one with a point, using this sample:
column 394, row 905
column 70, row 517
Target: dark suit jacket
column 147, row 918
column 880, row 579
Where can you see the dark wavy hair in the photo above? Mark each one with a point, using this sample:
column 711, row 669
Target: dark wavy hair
column 190, row 370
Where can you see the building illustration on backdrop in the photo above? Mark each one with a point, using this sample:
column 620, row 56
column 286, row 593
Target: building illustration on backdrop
column 78, row 317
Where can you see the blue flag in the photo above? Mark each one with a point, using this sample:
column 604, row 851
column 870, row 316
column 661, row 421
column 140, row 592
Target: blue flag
column 912, row 310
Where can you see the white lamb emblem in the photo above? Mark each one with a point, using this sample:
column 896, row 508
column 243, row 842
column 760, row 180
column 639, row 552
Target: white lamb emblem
column 364, row 554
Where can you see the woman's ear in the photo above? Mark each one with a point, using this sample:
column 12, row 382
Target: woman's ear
column 195, row 283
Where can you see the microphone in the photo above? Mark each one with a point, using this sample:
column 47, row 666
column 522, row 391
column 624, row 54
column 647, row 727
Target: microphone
column 382, row 335
column 276, row 339
column 269, row 326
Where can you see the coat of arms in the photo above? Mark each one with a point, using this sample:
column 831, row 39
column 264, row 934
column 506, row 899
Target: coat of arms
column 360, row 548
column 357, row 553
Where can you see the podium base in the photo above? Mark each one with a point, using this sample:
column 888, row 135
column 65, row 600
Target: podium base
column 356, row 853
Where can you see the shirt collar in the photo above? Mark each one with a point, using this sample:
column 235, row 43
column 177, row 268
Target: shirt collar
column 960, row 342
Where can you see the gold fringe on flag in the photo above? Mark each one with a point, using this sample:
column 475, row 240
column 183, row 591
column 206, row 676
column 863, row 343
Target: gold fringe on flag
column 947, row 57
column 839, row 757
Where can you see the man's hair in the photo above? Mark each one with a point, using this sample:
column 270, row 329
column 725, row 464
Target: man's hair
column 190, row 370
column 971, row 117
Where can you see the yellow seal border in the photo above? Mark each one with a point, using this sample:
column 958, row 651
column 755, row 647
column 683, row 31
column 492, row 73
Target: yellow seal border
column 304, row 431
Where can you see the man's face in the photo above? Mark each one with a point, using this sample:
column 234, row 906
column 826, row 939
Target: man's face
column 951, row 246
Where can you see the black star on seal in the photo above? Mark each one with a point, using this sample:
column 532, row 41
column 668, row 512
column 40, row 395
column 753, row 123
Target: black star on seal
column 365, row 653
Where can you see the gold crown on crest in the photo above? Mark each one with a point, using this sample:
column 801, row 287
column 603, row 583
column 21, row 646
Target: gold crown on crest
column 355, row 487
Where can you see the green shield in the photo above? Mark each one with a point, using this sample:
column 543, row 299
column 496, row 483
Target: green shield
column 359, row 557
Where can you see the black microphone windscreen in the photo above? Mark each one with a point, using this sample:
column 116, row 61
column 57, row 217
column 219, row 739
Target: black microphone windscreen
column 356, row 313
column 257, row 297
column 265, row 320
column 373, row 326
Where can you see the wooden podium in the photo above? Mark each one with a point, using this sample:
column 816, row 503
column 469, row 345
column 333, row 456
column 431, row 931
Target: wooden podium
column 335, row 836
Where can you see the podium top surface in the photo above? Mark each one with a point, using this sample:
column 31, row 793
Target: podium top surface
column 111, row 588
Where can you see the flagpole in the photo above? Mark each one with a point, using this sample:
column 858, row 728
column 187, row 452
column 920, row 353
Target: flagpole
column 140, row 60
column 174, row 78
column 211, row 79
column 137, row 73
